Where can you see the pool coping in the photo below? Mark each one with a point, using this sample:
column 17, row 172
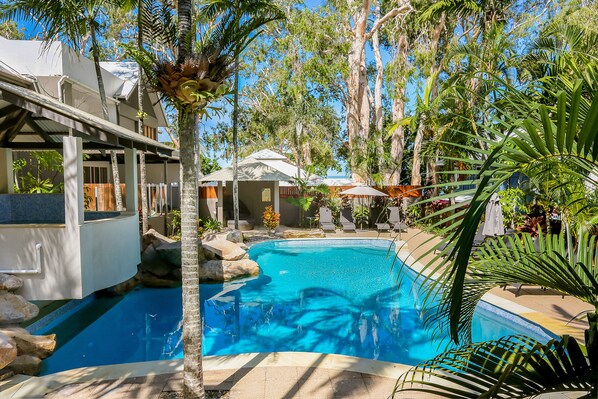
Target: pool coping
column 36, row 387
column 28, row 387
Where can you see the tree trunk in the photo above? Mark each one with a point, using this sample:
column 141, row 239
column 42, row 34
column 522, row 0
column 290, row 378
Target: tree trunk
column 95, row 50
column 416, row 176
column 357, row 130
column 236, row 146
column 192, row 329
column 378, row 116
column 397, row 144
column 141, row 117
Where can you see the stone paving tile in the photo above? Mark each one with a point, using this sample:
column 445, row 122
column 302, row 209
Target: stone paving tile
column 255, row 374
column 146, row 390
column 247, row 389
column 281, row 374
column 379, row 387
column 315, row 389
column 311, row 373
column 282, row 389
column 350, row 388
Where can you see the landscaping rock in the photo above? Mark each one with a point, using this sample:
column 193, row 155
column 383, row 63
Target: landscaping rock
column 5, row 374
column 170, row 253
column 302, row 234
column 8, row 350
column 243, row 246
column 125, row 286
column 222, row 270
column 8, row 282
column 224, row 249
column 152, row 237
column 151, row 281
column 15, row 309
column 152, row 261
column 177, row 274
column 40, row 346
column 26, row 364
column 234, row 236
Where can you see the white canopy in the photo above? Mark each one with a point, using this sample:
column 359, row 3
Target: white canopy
column 364, row 191
column 263, row 165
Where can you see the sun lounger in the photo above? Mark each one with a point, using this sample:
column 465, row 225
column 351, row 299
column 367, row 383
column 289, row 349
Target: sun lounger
column 394, row 219
column 347, row 220
column 478, row 240
column 382, row 222
column 326, row 221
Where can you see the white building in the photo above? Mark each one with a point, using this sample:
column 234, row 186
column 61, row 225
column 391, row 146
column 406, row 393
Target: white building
column 49, row 101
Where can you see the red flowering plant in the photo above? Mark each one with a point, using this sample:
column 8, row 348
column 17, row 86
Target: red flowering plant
column 271, row 219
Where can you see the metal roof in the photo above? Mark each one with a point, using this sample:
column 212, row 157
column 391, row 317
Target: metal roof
column 27, row 106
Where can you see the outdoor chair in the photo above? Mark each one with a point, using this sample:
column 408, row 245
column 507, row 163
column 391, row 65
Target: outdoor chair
column 382, row 222
column 478, row 240
column 347, row 220
column 326, row 221
column 394, row 219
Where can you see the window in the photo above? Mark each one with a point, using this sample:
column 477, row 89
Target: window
column 266, row 195
column 95, row 174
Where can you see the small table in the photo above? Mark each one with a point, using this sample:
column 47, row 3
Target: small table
column 311, row 220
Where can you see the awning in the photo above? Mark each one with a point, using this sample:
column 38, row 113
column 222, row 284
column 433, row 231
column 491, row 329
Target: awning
column 34, row 109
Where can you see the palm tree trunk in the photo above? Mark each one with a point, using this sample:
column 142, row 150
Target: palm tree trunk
column 192, row 329
column 140, row 91
column 378, row 115
column 236, row 146
column 95, row 49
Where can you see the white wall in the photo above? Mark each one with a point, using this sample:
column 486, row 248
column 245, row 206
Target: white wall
column 60, row 276
column 110, row 252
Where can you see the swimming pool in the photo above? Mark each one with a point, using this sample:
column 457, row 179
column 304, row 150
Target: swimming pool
column 325, row 296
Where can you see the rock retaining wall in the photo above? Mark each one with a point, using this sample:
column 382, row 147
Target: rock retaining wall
column 20, row 352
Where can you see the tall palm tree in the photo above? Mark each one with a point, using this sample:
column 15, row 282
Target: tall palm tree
column 242, row 12
column 74, row 23
column 192, row 57
column 141, row 123
column 530, row 133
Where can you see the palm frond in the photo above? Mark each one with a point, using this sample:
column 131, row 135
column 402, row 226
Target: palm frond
column 512, row 367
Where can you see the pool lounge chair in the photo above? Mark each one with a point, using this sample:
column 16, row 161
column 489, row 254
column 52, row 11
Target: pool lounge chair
column 394, row 218
column 326, row 222
column 347, row 220
column 382, row 222
column 478, row 240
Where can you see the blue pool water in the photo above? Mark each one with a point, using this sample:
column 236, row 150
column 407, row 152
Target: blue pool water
column 325, row 296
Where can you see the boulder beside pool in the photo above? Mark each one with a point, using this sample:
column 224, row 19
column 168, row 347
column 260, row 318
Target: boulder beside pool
column 224, row 249
column 8, row 350
column 15, row 309
column 225, row 270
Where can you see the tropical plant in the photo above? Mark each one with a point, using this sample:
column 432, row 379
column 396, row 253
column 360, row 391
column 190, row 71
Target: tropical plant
column 513, row 206
column 188, row 64
column 174, row 223
column 361, row 214
column 38, row 172
column 527, row 136
column 210, row 225
column 270, row 219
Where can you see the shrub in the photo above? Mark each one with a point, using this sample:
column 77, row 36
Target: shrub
column 271, row 218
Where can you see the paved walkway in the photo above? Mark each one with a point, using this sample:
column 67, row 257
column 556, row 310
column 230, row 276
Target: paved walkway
column 257, row 383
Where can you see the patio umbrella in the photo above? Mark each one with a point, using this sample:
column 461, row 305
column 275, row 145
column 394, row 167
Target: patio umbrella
column 494, row 225
column 364, row 191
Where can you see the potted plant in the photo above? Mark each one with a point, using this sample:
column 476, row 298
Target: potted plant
column 271, row 219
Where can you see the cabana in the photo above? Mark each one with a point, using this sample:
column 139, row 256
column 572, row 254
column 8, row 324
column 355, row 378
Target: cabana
column 60, row 250
column 260, row 177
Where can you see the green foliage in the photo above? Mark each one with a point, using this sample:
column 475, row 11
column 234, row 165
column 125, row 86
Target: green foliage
column 210, row 225
column 174, row 223
column 361, row 215
column 514, row 207
column 10, row 30
column 38, row 172
column 208, row 165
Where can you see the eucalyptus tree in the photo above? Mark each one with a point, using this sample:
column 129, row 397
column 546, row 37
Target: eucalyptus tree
column 75, row 23
column 192, row 58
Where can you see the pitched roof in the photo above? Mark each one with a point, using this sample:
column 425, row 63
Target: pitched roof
column 264, row 165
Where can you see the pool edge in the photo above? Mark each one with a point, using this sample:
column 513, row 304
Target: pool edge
column 38, row 386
